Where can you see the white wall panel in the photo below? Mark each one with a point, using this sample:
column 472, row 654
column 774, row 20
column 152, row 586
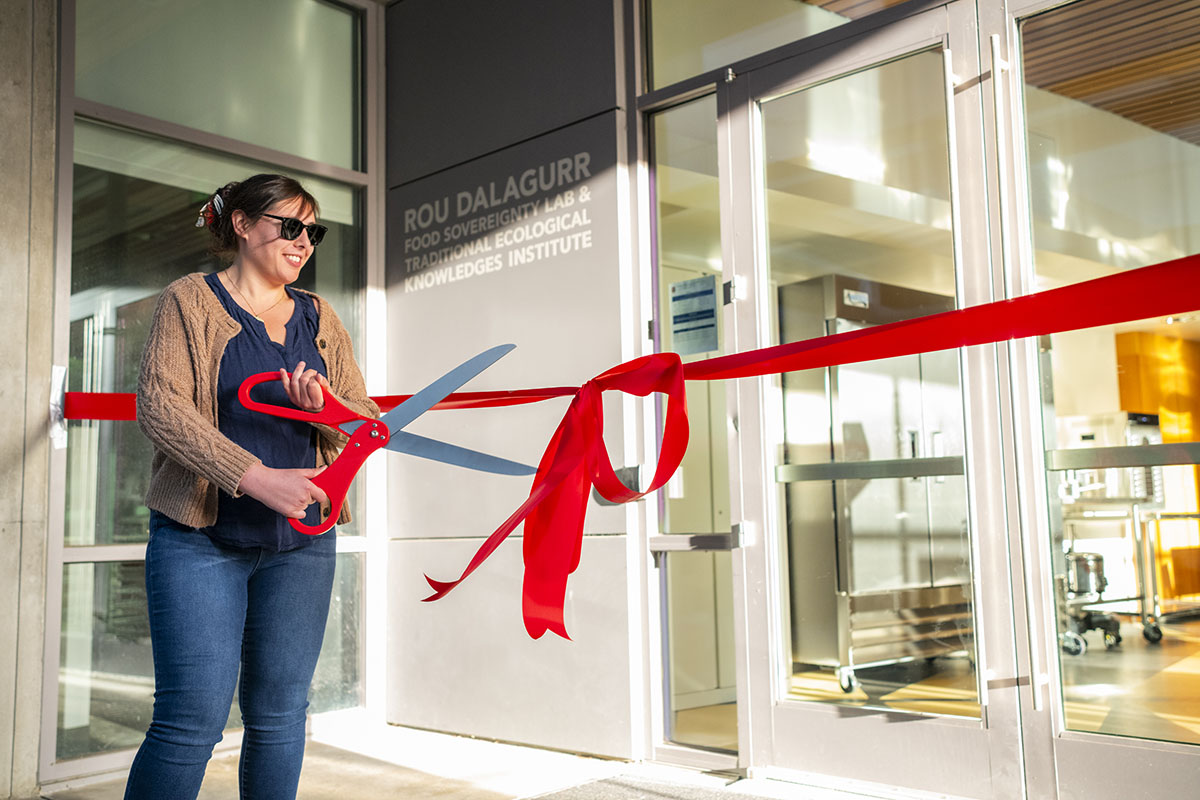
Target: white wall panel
column 464, row 664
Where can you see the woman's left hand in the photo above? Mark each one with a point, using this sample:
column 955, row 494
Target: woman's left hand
column 303, row 387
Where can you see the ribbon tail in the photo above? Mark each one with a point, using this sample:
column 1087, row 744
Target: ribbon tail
column 554, row 529
column 553, row 538
column 536, row 495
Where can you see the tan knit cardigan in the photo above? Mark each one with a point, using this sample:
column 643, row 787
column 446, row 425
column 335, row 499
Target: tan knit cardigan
column 177, row 400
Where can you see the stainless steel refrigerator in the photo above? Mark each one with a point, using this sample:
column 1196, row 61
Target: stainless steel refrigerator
column 874, row 488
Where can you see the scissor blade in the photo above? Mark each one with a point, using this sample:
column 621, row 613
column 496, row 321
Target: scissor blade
column 414, row 445
column 435, row 392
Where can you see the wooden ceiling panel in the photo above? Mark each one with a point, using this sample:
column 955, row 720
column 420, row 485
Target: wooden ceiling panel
column 1139, row 59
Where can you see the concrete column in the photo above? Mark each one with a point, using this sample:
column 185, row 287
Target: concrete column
column 28, row 95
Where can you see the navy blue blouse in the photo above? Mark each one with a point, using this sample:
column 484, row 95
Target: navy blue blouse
column 280, row 443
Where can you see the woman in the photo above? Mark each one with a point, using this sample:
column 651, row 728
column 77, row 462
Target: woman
column 229, row 583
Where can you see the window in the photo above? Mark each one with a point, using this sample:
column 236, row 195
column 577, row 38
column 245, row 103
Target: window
column 1113, row 174
column 283, row 74
column 243, row 80
column 872, row 466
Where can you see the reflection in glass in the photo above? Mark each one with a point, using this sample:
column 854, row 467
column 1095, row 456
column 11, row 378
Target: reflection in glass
column 1113, row 154
column 688, row 37
column 871, row 471
column 135, row 202
column 698, row 586
column 284, row 73
column 106, row 674
column 702, row 677
column 338, row 679
column 688, row 229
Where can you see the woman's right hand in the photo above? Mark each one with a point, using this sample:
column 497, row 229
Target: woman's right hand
column 288, row 491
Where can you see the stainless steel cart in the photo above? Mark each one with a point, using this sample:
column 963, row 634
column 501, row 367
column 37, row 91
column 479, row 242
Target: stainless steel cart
column 1116, row 484
column 1183, row 611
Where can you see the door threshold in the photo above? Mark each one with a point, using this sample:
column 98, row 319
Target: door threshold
column 677, row 755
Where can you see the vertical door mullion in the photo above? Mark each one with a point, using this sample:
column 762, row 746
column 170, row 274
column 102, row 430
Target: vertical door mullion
column 1030, row 569
column 754, row 608
column 1002, row 670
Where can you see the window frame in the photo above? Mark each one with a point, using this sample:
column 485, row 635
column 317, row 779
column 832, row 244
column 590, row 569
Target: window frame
column 369, row 182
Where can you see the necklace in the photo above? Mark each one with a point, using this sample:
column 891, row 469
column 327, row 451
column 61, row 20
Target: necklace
column 257, row 315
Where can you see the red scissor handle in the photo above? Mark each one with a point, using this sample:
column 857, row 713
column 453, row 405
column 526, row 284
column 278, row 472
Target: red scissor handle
column 335, row 479
column 334, row 413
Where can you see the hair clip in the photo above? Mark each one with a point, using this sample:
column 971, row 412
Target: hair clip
column 210, row 211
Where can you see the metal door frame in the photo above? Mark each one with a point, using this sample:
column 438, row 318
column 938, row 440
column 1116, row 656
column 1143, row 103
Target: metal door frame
column 822, row 743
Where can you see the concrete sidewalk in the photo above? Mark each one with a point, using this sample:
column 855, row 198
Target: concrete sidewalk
column 333, row 774
column 390, row 762
column 328, row 773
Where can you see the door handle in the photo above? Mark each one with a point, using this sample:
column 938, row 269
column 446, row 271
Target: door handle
column 698, row 542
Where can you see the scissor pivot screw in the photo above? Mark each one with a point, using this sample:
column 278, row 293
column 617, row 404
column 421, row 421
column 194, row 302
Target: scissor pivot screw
column 374, row 434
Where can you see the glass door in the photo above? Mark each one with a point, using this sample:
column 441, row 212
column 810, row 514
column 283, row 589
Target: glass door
column 1098, row 117
column 692, row 545
column 865, row 488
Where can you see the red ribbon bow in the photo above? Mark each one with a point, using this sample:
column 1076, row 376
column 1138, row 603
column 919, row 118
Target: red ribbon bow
column 576, row 460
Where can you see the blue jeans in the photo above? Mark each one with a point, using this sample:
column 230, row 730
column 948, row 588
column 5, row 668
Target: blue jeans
column 213, row 609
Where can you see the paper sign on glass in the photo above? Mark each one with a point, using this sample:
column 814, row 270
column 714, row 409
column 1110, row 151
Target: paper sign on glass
column 693, row 313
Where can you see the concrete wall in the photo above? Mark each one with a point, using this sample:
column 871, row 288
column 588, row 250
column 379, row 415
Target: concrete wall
column 28, row 36
column 505, row 218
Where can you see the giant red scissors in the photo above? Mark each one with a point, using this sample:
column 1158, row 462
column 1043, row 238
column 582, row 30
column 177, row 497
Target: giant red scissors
column 368, row 435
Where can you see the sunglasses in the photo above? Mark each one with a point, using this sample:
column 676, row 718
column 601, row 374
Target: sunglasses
column 290, row 228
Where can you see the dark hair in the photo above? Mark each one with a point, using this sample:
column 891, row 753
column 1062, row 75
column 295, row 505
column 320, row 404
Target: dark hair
column 253, row 196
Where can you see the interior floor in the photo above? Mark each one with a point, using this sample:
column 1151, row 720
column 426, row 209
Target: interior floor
column 1138, row 688
column 712, row 727
column 1149, row 691
column 936, row 686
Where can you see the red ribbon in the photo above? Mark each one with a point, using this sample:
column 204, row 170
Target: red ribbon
column 1172, row 287
column 576, row 458
column 115, row 406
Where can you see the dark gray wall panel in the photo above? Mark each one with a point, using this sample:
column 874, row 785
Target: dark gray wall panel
column 468, row 77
